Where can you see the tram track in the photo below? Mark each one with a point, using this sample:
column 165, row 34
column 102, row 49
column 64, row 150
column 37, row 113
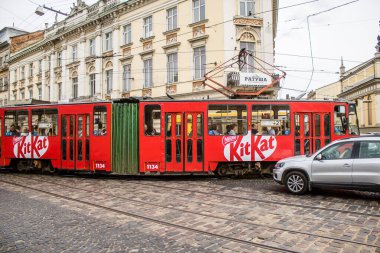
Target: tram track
column 337, row 239
column 153, row 220
column 261, row 200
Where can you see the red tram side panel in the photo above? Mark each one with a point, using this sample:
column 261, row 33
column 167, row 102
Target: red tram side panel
column 49, row 137
column 215, row 136
column 174, row 137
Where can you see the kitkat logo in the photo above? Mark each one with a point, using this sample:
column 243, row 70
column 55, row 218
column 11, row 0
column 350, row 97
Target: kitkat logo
column 242, row 148
column 30, row 146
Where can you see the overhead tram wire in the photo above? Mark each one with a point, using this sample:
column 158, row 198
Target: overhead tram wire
column 308, row 28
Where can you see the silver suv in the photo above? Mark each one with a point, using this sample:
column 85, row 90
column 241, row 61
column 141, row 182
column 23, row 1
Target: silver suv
column 352, row 163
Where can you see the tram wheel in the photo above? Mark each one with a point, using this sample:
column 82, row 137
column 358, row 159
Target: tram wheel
column 222, row 171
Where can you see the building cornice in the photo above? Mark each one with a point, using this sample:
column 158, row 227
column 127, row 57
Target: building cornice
column 92, row 20
column 361, row 87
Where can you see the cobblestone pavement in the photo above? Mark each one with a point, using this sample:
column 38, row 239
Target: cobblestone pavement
column 40, row 213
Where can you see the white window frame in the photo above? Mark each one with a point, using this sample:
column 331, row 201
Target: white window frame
column 148, row 73
column 92, row 82
column 199, row 10
column 30, row 69
column 74, row 52
column 199, row 61
column 108, row 41
column 75, row 87
column 127, row 77
column 91, row 45
column 40, row 66
column 246, row 6
column 127, row 34
column 172, row 68
column 109, row 77
column 30, row 93
column 171, row 18
column 148, row 27
column 22, row 72
column 59, row 91
column 59, row 59
column 49, row 62
column 39, row 88
column 250, row 48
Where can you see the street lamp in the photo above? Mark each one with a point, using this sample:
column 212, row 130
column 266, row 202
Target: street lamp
column 40, row 10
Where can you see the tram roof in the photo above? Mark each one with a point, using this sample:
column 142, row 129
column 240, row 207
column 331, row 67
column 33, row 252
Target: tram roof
column 35, row 103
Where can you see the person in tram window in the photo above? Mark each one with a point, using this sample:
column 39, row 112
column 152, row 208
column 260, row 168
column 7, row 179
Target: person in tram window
column 35, row 130
column 213, row 130
column 254, row 129
column 284, row 131
column 18, row 130
column 24, row 132
column 12, row 131
column 233, row 129
column 148, row 131
column 103, row 131
column 297, row 133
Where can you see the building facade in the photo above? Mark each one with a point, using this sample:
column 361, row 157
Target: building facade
column 361, row 85
column 5, row 36
column 142, row 48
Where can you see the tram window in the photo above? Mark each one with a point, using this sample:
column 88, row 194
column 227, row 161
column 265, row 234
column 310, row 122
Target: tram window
column 87, row 150
column 297, row 124
column 100, row 120
column 271, row 119
column 340, row 120
column 199, row 150
column 227, row 119
column 297, row 147
column 306, row 129
column 189, row 151
column 327, row 125
column 317, row 125
column 178, row 125
column 199, row 125
column 44, row 122
column 152, row 120
column 88, row 125
column 168, row 150
column 16, row 123
column 178, row 151
column 189, row 125
column 80, row 126
column 168, row 125
column 352, row 120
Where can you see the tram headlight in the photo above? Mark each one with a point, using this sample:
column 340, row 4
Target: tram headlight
column 279, row 165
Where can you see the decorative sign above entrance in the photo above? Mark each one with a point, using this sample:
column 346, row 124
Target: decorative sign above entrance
column 254, row 79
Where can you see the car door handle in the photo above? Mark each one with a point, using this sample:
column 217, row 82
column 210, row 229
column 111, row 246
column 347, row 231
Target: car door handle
column 346, row 165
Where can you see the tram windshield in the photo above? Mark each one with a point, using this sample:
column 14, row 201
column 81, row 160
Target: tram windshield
column 353, row 120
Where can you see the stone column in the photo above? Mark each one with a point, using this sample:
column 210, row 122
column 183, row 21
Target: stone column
column 98, row 64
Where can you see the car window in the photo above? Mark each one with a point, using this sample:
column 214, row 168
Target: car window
column 369, row 149
column 338, row 151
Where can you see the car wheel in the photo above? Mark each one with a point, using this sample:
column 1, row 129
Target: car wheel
column 296, row 183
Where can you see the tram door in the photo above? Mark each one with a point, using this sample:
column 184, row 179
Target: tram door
column 312, row 132
column 82, row 142
column 75, row 142
column 184, row 142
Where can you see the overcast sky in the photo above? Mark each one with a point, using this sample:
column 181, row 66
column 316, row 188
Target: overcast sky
column 349, row 31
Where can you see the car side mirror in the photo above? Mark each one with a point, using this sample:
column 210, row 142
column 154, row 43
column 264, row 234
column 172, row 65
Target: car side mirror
column 318, row 157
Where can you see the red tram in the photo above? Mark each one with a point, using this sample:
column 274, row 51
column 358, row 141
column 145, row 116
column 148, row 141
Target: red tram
column 134, row 137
